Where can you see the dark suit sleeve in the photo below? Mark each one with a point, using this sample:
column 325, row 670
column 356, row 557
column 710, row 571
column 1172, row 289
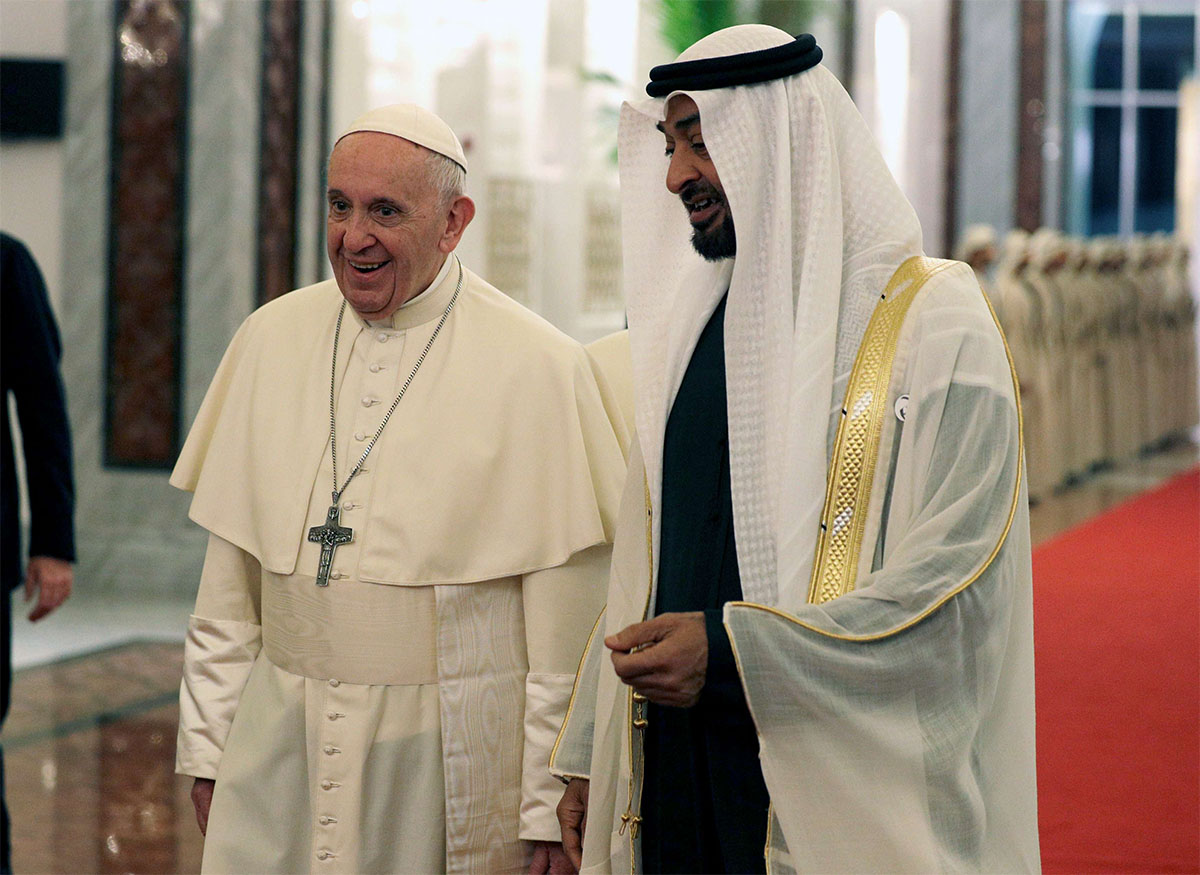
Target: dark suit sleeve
column 31, row 352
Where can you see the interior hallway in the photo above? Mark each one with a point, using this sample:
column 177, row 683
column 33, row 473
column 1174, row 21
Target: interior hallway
column 89, row 744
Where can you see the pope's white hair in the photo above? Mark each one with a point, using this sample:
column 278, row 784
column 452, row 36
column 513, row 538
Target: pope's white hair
column 446, row 176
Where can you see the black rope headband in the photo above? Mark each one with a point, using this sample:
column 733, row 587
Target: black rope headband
column 744, row 69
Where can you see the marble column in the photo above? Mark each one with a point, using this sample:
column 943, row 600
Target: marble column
column 987, row 147
column 133, row 533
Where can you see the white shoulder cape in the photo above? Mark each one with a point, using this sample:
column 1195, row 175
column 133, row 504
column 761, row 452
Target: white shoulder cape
column 501, row 458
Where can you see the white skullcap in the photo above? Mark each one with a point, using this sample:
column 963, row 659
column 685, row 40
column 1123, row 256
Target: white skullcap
column 1099, row 249
column 1077, row 251
column 1045, row 244
column 975, row 239
column 1015, row 247
column 413, row 123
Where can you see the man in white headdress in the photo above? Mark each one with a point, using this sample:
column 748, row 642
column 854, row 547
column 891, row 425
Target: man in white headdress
column 1155, row 283
column 1181, row 310
column 822, row 558
column 977, row 248
column 410, row 484
column 1124, row 408
column 1048, row 258
column 1082, row 351
column 1020, row 312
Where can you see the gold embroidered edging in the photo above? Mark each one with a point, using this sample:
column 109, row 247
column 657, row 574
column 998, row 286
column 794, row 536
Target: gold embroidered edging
column 636, row 708
column 855, row 451
column 649, row 545
column 574, row 692
column 1012, row 512
column 770, row 836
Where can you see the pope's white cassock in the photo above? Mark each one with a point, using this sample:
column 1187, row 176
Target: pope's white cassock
column 399, row 719
column 885, row 643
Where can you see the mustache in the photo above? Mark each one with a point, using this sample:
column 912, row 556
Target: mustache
column 698, row 190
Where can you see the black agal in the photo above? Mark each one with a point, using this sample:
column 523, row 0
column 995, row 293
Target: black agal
column 744, row 69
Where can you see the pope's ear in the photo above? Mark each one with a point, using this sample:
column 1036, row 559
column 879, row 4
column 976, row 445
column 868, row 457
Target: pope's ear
column 459, row 215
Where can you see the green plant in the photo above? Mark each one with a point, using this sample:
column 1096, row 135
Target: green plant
column 682, row 22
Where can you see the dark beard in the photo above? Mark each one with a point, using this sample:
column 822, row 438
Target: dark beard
column 716, row 244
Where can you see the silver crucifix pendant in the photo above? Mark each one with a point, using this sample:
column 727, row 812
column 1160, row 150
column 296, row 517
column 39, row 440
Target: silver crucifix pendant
column 330, row 536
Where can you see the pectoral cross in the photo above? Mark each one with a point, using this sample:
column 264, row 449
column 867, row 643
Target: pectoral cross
column 330, row 536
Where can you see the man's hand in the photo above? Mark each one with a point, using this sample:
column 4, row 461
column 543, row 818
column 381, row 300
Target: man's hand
column 548, row 857
column 202, row 791
column 572, row 820
column 664, row 659
column 51, row 579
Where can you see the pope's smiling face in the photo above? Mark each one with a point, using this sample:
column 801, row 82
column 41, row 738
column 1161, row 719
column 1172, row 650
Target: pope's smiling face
column 692, row 175
column 389, row 229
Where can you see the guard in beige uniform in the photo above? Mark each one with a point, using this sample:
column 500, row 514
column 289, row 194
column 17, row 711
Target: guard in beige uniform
column 1106, row 303
column 1020, row 312
column 1144, row 295
column 1081, row 337
column 410, row 483
column 1131, row 404
column 1047, row 259
column 1181, row 308
column 977, row 247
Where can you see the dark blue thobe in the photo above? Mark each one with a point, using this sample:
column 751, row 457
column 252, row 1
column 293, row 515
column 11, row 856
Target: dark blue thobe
column 704, row 800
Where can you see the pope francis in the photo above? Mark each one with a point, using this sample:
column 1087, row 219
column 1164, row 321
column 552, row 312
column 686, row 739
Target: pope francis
column 410, row 485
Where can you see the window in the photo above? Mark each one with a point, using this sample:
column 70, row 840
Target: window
column 1125, row 64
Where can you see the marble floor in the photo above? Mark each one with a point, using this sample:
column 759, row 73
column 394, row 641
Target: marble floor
column 89, row 743
column 1073, row 504
column 88, row 756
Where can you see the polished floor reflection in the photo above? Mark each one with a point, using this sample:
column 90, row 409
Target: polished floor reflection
column 1094, row 494
column 89, row 761
column 89, row 744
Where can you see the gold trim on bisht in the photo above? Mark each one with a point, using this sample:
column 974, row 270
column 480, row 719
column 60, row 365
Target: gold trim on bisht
column 562, row 730
column 631, row 820
column 844, row 519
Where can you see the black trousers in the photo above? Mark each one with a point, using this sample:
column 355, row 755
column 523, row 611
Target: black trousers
column 6, row 678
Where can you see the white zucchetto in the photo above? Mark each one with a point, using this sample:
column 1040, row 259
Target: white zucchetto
column 413, row 123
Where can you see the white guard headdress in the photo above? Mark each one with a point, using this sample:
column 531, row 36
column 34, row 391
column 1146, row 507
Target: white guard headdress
column 974, row 239
column 821, row 227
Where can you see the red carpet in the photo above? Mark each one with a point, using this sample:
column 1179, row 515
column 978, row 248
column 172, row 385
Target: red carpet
column 1117, row 626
